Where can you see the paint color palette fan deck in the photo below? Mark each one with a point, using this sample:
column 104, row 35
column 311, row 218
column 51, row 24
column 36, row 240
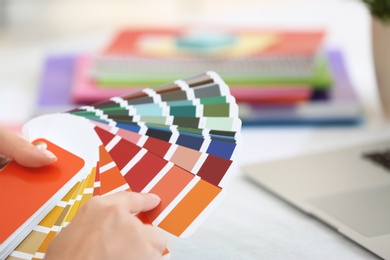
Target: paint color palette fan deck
column 177, row 140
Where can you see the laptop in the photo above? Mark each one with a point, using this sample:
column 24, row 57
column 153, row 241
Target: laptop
column 348, row 188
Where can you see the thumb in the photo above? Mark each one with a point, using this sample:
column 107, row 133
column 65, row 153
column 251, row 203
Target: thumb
column 23, row 152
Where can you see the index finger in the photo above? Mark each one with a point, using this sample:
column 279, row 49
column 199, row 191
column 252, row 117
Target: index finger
column 134, row 202
column 17, row 148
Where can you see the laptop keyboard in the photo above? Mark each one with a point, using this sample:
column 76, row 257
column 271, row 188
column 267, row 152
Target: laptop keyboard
column 381, row 158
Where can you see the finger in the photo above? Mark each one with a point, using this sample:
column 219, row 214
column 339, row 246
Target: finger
column 23, row 152
column 134, row 202
column 156, row 237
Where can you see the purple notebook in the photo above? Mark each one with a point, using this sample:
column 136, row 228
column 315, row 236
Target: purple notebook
column 55, row 85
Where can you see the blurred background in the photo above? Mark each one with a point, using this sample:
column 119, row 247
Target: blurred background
column 32, row 31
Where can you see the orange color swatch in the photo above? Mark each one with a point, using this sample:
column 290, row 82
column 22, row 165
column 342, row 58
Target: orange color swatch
column 166, row 191
column 188, row 209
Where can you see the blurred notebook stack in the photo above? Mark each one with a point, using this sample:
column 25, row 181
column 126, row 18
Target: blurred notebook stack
column 277, row 76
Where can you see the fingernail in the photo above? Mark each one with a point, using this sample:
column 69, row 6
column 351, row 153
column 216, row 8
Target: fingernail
column 156, row 197
column 3, row 162
column 48, row 154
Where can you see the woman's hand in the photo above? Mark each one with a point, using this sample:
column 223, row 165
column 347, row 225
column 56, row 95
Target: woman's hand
column 14, row 147
column 106, row 228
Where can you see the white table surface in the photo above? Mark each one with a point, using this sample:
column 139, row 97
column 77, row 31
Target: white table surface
column 250, row 223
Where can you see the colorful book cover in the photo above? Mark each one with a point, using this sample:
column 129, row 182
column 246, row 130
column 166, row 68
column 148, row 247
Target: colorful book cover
column 216, row 42
column 241, row 56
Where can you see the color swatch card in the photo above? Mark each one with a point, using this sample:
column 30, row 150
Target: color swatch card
column 27, row 195
column 177, row 140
